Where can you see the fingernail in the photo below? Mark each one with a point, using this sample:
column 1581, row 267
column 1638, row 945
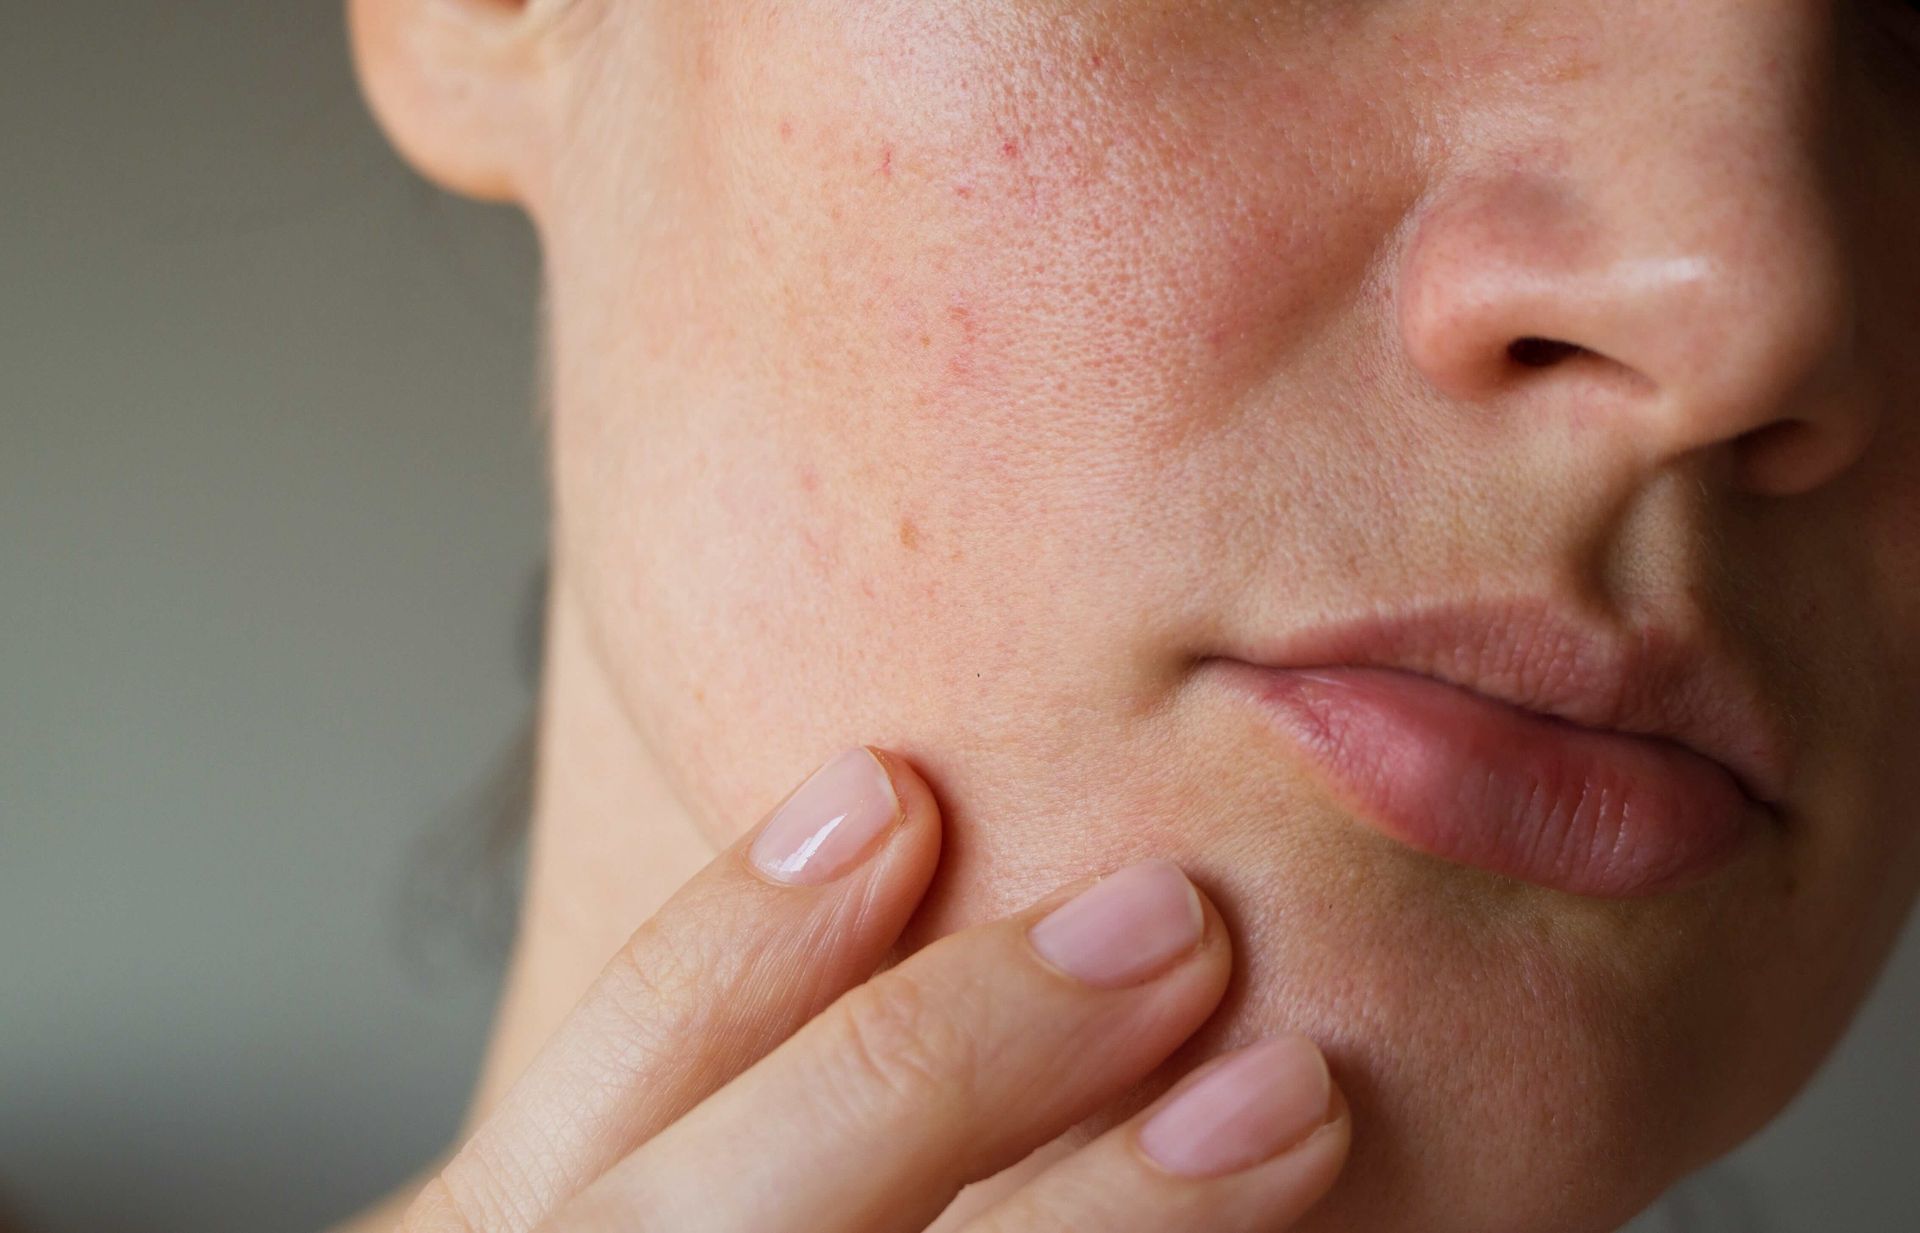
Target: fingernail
column 1123, row 928
column 1248, row 1108
column 829, row 823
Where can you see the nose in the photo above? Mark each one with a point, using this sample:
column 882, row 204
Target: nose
column 1653, row 257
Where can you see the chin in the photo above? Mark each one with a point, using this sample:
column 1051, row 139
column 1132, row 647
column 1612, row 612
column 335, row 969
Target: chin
column 1518, row 1060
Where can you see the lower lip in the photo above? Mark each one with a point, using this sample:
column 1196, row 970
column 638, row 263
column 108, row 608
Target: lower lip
column 1470, row 780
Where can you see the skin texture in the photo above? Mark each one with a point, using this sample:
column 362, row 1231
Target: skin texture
column 955, row 377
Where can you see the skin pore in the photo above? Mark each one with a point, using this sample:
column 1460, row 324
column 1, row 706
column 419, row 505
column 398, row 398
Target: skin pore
column 957, row 377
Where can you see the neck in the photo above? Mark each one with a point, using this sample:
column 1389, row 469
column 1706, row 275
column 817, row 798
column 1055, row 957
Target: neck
column 609, row 843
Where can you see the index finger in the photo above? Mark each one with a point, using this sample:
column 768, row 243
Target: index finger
column 794, row 913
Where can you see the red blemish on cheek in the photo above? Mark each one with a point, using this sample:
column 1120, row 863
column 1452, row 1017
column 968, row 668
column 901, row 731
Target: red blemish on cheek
column 1010, row 148
column 786, row 130
column 963, row 191
column 1096, row 60
column 960, row 365
column 886, row 161
column 809, row 477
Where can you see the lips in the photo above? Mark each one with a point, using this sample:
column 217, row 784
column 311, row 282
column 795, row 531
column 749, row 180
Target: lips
column 1643, row 765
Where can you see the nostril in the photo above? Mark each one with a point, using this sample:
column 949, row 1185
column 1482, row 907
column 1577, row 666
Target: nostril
column 1540, row 352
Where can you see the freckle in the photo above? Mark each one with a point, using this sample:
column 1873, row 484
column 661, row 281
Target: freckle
column 699, row 694
column 866, row 587
column 909, row 535
column 926, row 340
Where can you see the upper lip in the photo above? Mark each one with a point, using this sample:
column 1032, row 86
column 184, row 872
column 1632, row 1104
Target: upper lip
column 1651, row 680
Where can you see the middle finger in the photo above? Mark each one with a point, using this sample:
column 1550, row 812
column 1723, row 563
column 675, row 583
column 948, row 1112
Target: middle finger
column 943, row 1070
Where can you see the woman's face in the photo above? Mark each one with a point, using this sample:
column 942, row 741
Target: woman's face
column 967, row 377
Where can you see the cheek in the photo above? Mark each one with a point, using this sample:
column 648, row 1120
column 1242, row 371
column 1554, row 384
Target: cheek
column 986, row 328
column 1037, row 285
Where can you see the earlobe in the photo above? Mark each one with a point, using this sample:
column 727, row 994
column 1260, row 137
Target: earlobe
column 458, row 86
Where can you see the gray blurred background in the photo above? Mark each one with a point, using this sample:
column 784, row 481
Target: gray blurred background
column 271, row 509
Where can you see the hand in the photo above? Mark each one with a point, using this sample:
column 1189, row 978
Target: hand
column 739, row 1067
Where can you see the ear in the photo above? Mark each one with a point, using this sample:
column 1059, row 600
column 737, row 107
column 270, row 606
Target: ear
column 460, row 88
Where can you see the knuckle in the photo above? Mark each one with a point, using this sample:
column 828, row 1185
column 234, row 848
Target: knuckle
column 651, row 974
column 650, row 992
column 684, row 970
column 488, row 1185
column 437, row 1209
column 901, row 1041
